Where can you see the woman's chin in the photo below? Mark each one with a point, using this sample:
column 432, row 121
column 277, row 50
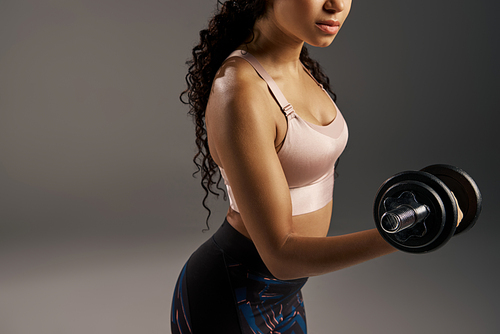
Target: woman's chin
column 323, row 42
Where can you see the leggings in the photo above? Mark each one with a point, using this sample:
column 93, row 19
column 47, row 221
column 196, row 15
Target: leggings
column 225, row 287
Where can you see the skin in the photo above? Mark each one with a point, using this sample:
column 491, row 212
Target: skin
column 245, row 131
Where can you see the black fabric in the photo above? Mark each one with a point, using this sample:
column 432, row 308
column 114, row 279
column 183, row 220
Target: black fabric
column 225, row 287
column 211, row 299
column 240, row 249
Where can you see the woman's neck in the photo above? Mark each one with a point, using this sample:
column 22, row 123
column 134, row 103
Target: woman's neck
column 277, row 51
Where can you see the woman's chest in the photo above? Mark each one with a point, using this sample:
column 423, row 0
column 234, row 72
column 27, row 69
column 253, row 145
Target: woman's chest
column 310, row 102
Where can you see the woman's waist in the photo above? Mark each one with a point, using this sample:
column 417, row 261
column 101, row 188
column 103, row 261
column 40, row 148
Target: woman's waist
column 242, row 251
column 312, row 224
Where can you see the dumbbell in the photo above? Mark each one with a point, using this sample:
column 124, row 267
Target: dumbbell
column 416, row 211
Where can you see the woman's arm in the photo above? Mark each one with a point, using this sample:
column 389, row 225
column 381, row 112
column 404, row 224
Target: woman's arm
column 310, row 256
column 242, row 132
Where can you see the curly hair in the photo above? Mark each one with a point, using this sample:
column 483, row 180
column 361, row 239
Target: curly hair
column 230, row 27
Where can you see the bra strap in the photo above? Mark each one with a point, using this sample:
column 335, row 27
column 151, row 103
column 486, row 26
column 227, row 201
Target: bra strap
column 312, row 76
column 285, row 106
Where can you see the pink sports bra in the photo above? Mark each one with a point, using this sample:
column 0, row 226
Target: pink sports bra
column 308, row 153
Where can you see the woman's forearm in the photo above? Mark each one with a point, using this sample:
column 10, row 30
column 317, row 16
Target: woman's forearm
column 303, row 256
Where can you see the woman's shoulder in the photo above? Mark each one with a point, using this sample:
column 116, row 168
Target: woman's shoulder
column 238, row 86
column 237, row 76
column 240, row 104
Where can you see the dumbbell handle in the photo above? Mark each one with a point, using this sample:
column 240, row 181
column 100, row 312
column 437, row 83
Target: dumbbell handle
column 403, row 217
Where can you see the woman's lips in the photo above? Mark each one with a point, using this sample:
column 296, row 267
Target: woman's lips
column 330, row 27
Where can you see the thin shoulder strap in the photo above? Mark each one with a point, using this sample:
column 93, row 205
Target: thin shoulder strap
column 285, row 106
column 312, row 76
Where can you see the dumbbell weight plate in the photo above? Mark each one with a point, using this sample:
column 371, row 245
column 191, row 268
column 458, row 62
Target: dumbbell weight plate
column 421, row 234
column 465, row 190
column 428, row 190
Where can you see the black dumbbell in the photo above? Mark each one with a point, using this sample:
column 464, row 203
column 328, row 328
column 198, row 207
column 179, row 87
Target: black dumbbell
column 416, row 211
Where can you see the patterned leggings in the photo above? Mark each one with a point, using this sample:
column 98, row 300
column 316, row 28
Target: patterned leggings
column 226, row 288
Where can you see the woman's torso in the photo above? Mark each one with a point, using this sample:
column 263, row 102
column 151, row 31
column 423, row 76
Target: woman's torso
column 313, row 106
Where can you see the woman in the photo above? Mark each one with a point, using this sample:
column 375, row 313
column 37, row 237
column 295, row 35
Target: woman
column 274, row 133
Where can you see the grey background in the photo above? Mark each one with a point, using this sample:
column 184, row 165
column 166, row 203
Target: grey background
column 98, row 209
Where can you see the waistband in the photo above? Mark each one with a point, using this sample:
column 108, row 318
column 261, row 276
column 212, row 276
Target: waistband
column 242, row 250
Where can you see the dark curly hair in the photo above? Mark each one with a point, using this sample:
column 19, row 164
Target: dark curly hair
column 230, row 27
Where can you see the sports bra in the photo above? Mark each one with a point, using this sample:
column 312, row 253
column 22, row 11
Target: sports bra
column 308, row 153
